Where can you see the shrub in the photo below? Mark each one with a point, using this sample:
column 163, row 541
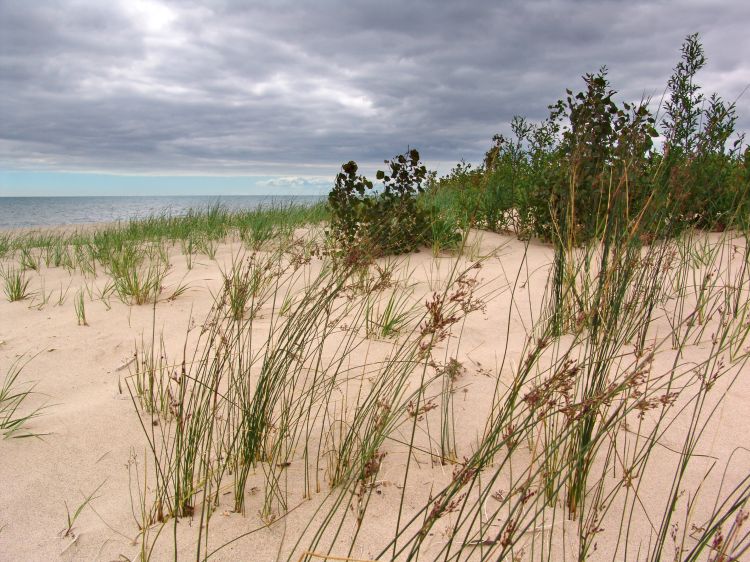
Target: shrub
column 383, row 222
column 699, row 171
column 602, row 156
column 591, row 166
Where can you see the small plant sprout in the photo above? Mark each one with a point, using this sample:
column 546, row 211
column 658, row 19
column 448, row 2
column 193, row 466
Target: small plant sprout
column 80, row 308
column 71, row 518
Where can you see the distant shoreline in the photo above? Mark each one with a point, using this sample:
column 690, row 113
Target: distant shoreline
column 207, row 196
column 29, row 213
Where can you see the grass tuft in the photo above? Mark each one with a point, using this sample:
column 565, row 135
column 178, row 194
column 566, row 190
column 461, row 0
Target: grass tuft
column 15, row 284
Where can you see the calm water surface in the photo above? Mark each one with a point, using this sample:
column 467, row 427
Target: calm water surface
column 24, row 212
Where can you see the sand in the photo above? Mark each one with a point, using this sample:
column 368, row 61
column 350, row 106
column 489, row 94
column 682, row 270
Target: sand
column 92, row 438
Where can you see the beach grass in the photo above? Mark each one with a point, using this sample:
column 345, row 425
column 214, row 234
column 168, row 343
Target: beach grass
column 329, row 369
column 14, row 397
column 15, row 284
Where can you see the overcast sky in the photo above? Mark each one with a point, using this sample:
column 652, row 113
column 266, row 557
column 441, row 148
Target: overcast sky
column 271, row 97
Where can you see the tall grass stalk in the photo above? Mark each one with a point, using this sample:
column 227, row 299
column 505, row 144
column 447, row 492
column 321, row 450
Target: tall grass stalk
column 14, row 417
column 80, row 308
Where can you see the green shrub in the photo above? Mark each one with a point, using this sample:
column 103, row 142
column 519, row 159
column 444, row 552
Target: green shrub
column 700, row 171
column 600, row 163
column 591, row 166
column 383, row 222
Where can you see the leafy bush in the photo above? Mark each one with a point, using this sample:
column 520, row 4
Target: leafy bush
column 383, row 222
column 699, row 172
column 602, row 154
column 592, row 166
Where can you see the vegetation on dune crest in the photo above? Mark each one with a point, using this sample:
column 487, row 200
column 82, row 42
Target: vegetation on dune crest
column 563, row 180
column 593, row 154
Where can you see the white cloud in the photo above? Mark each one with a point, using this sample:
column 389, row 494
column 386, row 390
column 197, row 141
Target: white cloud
column 314, row 183
column 152, row 16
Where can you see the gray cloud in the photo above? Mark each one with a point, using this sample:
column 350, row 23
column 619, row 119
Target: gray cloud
column 295, row 88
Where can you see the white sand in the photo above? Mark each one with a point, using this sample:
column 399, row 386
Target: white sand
column 92, row 430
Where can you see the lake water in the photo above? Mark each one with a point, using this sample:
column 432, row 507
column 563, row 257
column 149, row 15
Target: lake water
column 25, row 212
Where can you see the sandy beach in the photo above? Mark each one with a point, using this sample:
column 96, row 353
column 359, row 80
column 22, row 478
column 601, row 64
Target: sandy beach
column 90, row 445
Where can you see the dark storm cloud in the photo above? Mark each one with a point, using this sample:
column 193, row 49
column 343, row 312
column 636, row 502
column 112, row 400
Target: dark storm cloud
column 296, row 88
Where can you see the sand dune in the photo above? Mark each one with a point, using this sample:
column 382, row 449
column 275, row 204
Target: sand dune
column 90, row 437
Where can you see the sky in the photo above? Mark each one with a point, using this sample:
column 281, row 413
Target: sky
column 145, row 97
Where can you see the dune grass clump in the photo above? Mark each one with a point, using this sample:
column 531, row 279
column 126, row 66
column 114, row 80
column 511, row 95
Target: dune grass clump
column 242, row 403
column 29, row 259
column 153, row 378
column 5, row 244
column 15, row 284
column 385, row 318
column 251, row 281
column 258, row 228
column 13, row 396
column 137, row 276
